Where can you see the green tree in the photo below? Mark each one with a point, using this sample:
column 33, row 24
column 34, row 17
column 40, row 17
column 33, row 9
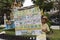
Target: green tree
column 20, row 1
column 5, row 3
column 44, row 4
column 5, row 7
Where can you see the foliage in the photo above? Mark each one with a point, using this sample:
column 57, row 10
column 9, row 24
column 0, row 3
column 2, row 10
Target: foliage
column 48, row 6
column 5, row 6
column 43, row 4
column 4, row 3
column 20, row 1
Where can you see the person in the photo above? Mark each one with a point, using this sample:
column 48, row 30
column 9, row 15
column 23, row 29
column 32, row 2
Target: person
column 45, row 27
column 8, row 24
column 19, row 4
column 12, row 23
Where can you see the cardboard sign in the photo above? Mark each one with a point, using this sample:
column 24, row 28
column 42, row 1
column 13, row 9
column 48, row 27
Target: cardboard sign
column 27, row 20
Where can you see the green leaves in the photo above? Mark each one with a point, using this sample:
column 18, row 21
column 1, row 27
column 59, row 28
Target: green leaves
column 44, row 5
column 48, row 6
column 4, row 3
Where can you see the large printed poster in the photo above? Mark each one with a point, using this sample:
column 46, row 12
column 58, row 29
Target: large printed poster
column 28, row 21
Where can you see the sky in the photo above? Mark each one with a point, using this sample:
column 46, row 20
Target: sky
column 27, row 3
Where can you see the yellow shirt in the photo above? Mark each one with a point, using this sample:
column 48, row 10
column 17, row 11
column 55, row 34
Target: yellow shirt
column 45, row 26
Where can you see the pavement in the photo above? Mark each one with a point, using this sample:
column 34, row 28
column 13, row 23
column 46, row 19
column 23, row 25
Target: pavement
column 2, row 39
column 13, row 37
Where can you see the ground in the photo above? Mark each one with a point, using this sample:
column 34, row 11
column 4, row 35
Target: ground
column 8, row 32
column 53, row 36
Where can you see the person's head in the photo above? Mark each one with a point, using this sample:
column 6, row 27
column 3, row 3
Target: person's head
column 19, row 4
column 15, row 4
column 44, row 19
column 8, row 22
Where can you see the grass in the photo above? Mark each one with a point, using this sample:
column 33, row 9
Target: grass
column 8, row 32
column 55, row 35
